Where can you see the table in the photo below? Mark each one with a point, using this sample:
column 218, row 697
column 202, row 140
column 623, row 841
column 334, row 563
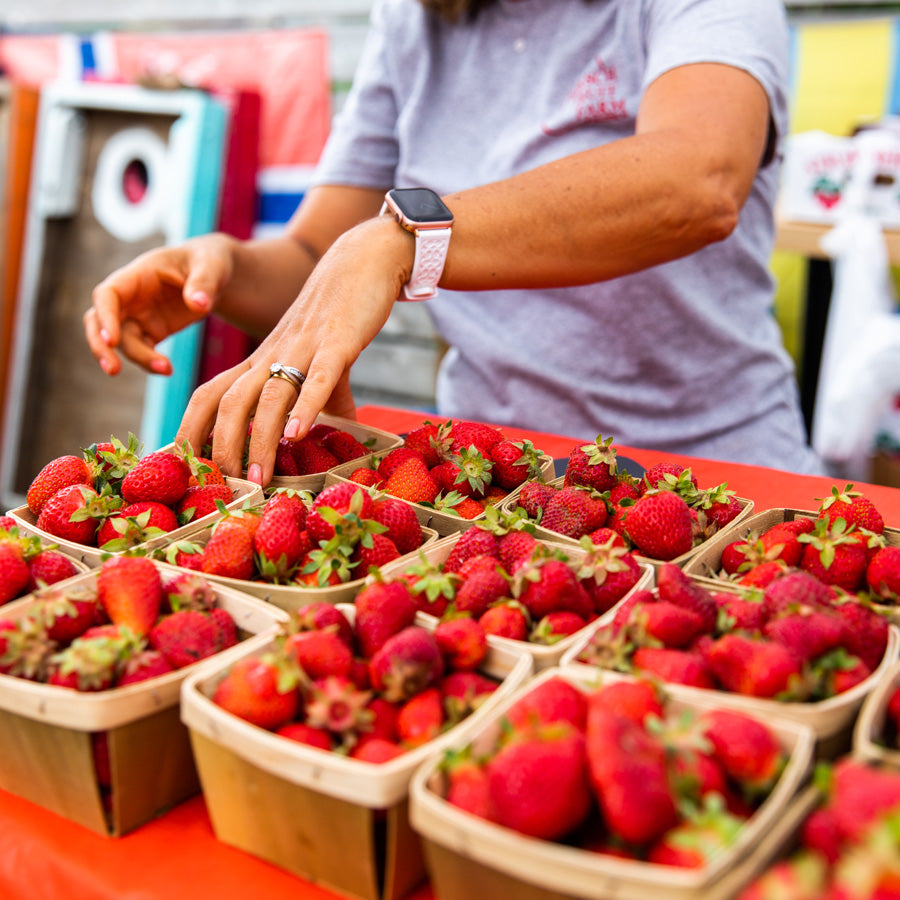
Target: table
column 176, row 857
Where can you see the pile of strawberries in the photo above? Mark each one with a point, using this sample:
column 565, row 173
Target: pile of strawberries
column 519, row 587
column 847, row 846
column 129, row 624
column 662, row 515
column 797, row 639
column 113, row 498
column 322, row 448
column 843, row 544
column 293, row 539
column 372, row 690
column 28, row 563
column 458, row 467
column 612, row 770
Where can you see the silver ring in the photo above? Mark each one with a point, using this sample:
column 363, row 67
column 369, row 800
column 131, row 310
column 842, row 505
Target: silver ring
column 294, row 376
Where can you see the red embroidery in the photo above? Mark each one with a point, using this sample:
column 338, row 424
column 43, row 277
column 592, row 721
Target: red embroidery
column 594, row 98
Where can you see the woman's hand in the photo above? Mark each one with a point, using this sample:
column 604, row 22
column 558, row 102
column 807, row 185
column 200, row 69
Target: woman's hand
column 155, row 295
column 345, row 302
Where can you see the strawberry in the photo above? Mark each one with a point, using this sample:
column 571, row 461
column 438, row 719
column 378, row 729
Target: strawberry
column 464, row 507
column 374, row 551
column 226, row 626
column 514, row 548
column 55, row 475
column 412, row 481
column 475, row 541
column 200, row 500
column 67, row 614
column 791, row 590
column 204, row 472
column 592, row 465
column 303, row 733
column 661, row 475
column 694, row 842
column 261, row 690
column 73, row 514
column 293, row 500
column 507, row 619
column 629, row 776
column 552, row 700
column 14, row 571
column 375, row 750
column 747, row 749
column 514, row 463
column 866, row 631
column 671, row 625
column 162, row 476
column 659, row 525
column 468, row 473
column 407, row 663
column 755, row 667
column 610, row 572
column 48, row 567
column 674, row 586
column 402, row 524
column 184, row 637
column 391, row 461
column 134, row 524
column 366, row 477
column 573, row 512
column 742, row 612
column 555, row 626
column 808, row 632
column 342, row 505
column 338, row 705
column 462, row 642
column 129, row 589
column 800, row 877
column 674, row 666
column 343, row 445
column 464, row 691
column 466, row 783
column 853, row 508
column 421, row 718
column 285, row 464
column 383, row 608
column 464, row 434
column 278, row 543
column 320, row 653
column 429, row 441
column 319, row 430
column 229, row 551
column 312, row 458
column 534, row 496
column 483, row 584
column 547, row 585
column 833, row 555
column 320, row 615
column 87, row 664
column 538, row 782
column 381, row 719
column 782, row 542
column 883, row 574
column 142, row 666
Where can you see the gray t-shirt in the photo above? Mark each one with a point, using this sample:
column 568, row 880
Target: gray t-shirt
column 683, row 357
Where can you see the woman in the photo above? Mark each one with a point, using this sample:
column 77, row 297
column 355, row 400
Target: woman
column 611, row 170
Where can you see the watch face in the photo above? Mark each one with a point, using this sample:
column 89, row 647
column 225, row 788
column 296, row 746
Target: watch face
column 421, row 205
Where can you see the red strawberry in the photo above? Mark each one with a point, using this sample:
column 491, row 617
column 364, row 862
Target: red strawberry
column 539, row 784
column 412, row 481
column 475, row 541
column 795, row 589
column 338, row 505
column 808, row 632
column 782, row 542
column 343, row 446
column 67, row 614
column 506, row 619
column 747, row 749
column 574, row 512
column 14, row 571
column 854, row 508
column 48, row 567
column 204, row 472
column 666, row 472
column 866, row 632
column 374, row 550
column 757, row 668
column 464, row 691
column 391, row 460
column 229, row 551
column 548, row 585
column 534, row 496
column 629, row 775
column 555, row 626
column 261, row 690
column 293, row 500
column 381, row 719
column 311, row 458
column 402, row 524
column 285, row 463
column 613, row 573
column 184, row 637
column 320, row 653
column 552, row 700
column 278, row 543
column 134, row 524
column 226, row 627
column 514, row 463
column 671, row 625
column 466, row 434
column 73, row 513
column 320, row 615
column 383, row 608
column 462, row 642
column 514, row 548
column 674, row 666
column 675, row 586
column 834, row 556
column 429, row 441
column 160, row 476
column 129, row 589
column 338, row 705
column 87, row 664
column 366, row 477
column 659, row 525
column 55, row 475
column 467, row 784
column 303, row 733
column 883, row 574
column 482, row 584
column 636, row 700
column 692, row 843
column 421, row 718
column 375, row 750
column 142, row 666
column 200, row 500
column 745, row 613
column 407, row 663
column 593, row 465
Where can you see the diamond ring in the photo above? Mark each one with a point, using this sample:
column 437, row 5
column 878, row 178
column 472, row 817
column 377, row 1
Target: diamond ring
column 290, row 374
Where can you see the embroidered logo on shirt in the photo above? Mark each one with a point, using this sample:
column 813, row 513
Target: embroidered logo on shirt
column 594, row 98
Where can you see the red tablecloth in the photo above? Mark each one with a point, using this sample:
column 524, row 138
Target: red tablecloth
column 45, row 857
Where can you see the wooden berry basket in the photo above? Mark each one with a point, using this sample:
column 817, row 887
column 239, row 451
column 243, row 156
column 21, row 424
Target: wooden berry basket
column 831, row 720
column 46, row 732
column 444, row 523
column 289, row 597
column 543, row 656
column 869, row 733
column 242, row 492
column 509, row 506
column 462, row 850
column 316, row 813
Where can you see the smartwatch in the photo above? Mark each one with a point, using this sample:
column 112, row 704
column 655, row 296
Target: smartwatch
column 422, row 213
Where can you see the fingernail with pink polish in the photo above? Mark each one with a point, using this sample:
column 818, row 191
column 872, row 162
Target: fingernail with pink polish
column 160, row 366
column 292, row 429
column 254, row 473
column 200, row 299
column 104, row 334
column 104, row 364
